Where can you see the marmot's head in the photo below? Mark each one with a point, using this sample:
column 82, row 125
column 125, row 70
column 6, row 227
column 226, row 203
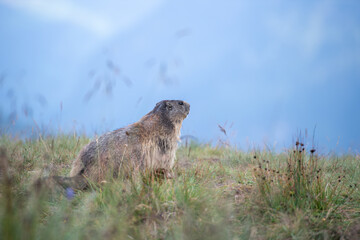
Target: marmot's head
column 173, row 110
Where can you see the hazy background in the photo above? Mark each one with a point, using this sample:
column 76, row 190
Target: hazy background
column 263, row 70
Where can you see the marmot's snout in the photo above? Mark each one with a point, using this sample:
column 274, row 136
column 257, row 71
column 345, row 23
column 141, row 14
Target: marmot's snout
column 186, row 105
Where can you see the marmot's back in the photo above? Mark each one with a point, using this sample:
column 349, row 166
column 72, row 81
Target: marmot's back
column 150, row 143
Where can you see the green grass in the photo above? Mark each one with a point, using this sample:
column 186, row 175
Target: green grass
column 218, row 193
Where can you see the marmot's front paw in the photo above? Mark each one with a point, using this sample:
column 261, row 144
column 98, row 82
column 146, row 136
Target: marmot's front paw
column 169, row 174
column 162, row 173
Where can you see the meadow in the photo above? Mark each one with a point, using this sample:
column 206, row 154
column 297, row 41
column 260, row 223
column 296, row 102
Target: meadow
column 218, row 192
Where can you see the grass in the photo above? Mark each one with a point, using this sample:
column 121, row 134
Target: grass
column 218, row 193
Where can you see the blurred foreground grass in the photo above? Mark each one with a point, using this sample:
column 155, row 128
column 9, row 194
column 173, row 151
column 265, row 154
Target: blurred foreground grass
column 218, row 193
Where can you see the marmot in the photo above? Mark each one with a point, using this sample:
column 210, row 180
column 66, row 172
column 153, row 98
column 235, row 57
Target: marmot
column 149, row 144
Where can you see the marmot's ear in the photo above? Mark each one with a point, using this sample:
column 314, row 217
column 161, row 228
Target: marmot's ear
column 158, row 105
column 161, row 103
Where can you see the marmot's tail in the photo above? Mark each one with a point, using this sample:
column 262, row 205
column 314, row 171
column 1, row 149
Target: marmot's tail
column 52, row 183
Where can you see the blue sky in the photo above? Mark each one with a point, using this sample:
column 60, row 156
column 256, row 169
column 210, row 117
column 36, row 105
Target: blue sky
column 264, row 70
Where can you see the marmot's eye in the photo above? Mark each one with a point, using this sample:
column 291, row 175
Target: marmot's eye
column 181, row 103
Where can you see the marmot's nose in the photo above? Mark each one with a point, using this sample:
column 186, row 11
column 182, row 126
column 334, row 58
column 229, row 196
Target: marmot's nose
column 187, row 106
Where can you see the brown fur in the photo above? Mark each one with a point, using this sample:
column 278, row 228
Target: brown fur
column 149, row 144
